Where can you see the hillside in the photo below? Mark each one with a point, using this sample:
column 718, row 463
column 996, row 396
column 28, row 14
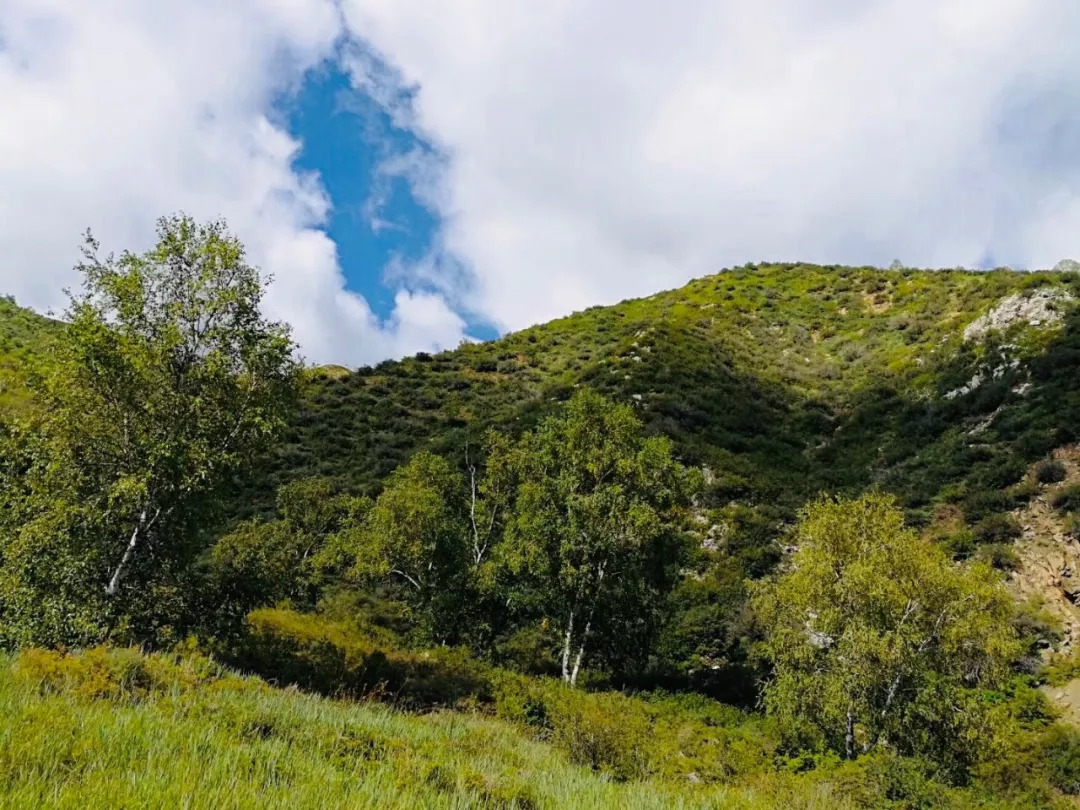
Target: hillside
column 781, row 379
column 745, row 643
column 22, row 333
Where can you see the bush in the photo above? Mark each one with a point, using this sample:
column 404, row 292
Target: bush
column 1072, row 526
column 998, row 529
column 1000, row 556
column 961, row 544
column 984, row 503
column 115, row 673
column 1051, row 471
column 631, row 737
column 333, row 658
column 1061, row 753
column 1068, row 500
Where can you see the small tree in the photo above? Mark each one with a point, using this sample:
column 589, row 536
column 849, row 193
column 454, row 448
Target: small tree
column 166, row 381
column 416, row 537
column 263, row 562
column 875, row 637
column 594, row 521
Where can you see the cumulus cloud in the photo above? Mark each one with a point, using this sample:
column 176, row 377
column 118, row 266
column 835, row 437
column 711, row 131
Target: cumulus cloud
column 600, row 149
column 117, row 111
column 575, row 152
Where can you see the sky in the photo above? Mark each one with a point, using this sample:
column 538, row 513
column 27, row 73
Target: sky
column 414, row 173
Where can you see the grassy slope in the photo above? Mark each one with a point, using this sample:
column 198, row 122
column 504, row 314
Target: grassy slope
column 235, row 743
column 783, row 379
column 120, row 729
column 22, row 333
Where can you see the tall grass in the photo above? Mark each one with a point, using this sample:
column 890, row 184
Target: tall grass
column 120, row 730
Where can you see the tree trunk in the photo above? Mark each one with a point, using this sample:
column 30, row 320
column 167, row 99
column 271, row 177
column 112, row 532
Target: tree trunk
column 129, row 552
column 580, row 654
column 849, row 739
column 566, row 648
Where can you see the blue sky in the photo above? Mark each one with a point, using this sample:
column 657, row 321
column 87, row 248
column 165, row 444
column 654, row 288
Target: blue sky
column 375, row 220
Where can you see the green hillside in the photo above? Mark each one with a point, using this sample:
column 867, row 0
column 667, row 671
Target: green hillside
column 22, row 333
column 781, row 379
column 440, row 546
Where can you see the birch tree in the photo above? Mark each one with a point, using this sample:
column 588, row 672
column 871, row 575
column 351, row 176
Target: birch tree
column 416, row 539
column 877, row 639
column 165, row 382
column 595, row 514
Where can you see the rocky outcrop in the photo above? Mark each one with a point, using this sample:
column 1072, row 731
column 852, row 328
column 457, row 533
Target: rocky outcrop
column 1042, row 307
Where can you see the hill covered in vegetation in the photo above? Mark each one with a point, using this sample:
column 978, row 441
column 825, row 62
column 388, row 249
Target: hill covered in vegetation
column 776, row 538
column 23, row 334
column 780, row 380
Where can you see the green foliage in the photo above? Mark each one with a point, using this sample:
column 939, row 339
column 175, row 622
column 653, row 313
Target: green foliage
column 998, row 529
column 1068, row 500
column 1061, row 753
column 336, row 658
column 1050, row 471
column 415, row 537
column 292, row 558
column 164, row 383
column 592, row 534
column 210, row 742
column 24, row 335
column 116, row 673
column 1000, row 556
column 877, row 639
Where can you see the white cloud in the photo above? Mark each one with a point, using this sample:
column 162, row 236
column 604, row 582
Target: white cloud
column 601, row 149
column 583, row 151
column 117, row 111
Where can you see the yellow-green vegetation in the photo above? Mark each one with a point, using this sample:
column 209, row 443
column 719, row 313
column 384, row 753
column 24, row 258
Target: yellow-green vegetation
column 741, row 544
column 23, row 334
column 119, row 728
column 782, row 378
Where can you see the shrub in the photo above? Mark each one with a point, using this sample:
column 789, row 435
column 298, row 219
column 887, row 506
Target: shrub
column 1051, row 471
column 1001, row 556
column 1068, row 500
column 998, row 529
column 1061, row 753
column 983, row 503
column 1072, row 526
column 961, row 544
column 122, row 672
column 333, row 658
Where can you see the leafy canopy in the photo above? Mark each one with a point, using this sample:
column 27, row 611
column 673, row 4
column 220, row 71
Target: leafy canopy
column 593, row 532
column 877, row 638
column 167, row 380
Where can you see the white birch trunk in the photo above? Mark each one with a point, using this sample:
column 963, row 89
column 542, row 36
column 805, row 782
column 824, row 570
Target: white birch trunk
column 580, row 654
column 566, row 648
column 129, row 552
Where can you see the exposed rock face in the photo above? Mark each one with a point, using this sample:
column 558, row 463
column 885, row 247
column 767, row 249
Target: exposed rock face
column 1049, row 572
column 1039, row 308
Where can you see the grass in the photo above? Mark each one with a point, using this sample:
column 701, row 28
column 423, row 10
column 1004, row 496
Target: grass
column 119, row 729
column 228, row 742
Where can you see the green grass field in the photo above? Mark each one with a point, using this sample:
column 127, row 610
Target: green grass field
column 195, row 741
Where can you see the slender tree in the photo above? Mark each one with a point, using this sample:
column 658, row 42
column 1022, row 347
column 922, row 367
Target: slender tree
column 417, row 539
column 594, row 522
column 166, row 381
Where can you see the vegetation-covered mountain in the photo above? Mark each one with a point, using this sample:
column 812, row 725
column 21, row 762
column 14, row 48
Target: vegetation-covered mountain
column 23, row 333
column 586, row 542
column 781, row 380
